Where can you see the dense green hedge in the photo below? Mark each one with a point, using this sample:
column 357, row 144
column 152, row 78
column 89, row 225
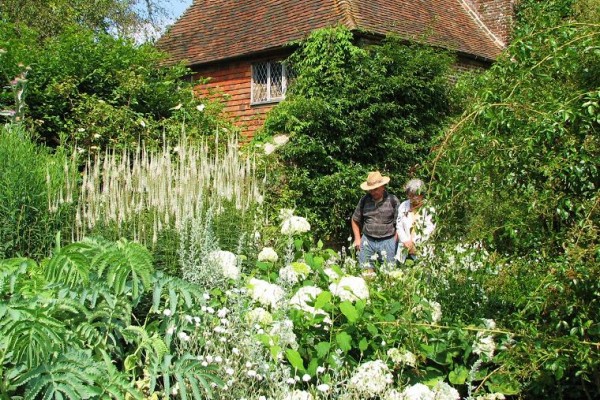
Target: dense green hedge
column 353, row 109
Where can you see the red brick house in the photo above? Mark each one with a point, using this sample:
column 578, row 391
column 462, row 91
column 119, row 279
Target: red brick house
column 239, row 44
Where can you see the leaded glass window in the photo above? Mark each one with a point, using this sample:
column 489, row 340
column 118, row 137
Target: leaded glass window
column 269, row 81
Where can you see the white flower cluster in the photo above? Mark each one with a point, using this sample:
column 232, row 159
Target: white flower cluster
column 268, row 254
column 331, row 274
column 267, row 294
column 283, row 331
column 299, row 395
column 436, row 311
column 305, row 295
column 294, row 272
column 259, row 316
column 226, row 261
column 400, row 357
column 395, row 274
column 424, row 225
column 350, row 288
column 293, row 225
column 419, row 391
column 484, row 343
column 278, row 140
column 371, row 378
column 491, row 396
column 470, row 257
column 430, row 306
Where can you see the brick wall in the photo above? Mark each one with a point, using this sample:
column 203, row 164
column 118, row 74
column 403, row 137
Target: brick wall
column 233, row 79
column 497, row 15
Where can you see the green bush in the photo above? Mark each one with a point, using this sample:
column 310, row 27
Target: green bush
column 30, row 180
column 353, row 109
column 93, row 90
column 519, row 168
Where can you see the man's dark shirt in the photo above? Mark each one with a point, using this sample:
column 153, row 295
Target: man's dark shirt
column 378, row 220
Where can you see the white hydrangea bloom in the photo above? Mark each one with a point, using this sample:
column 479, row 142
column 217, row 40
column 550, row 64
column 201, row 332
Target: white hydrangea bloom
column 491, row 396
column 402, row 357
column 298, row 395
column 418, row 392
column 331, row 274
column 281, row 139
column 484, row 345
column 286, row 213
column 436, row 311
column 395, row 274
column 443, row 391
column 489, row 323
column 267, row 294
column 371, row 378
column 284, row 332
column 294, row 225
column 350, row 288
column 287, row 276
column 303, row 296
column 226, row 261
column 294, row 272
column 268, row 254
column 392, row 394
column 269, row 148
column 259, row 316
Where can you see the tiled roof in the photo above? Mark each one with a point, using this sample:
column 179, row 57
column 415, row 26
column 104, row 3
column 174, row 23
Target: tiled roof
column 212, row 30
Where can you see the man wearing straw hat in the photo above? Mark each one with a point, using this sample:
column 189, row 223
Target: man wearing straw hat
column 374, row 223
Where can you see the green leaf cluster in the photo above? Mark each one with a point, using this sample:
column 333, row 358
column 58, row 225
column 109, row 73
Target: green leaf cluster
column 67, row 328
column 353, row 108
column 520, row 167
column 27, row 227
column 94, row 90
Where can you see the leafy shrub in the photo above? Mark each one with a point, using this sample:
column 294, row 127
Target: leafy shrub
column 27, row 225
column 66, row 326
column 519, row 168
column 93, row 90
column 353, row 109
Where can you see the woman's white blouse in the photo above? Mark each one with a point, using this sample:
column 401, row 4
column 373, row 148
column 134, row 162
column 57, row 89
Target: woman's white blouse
column 410, row 225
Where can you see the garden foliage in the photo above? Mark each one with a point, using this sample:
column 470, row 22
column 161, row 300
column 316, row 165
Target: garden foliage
column 519, row 171
column 232, row 306
column 354, row 108
column 67, row 329
column 30, row 175
column 93, row 90
column 520, row 167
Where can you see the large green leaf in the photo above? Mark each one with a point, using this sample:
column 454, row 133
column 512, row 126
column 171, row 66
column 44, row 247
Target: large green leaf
column 295, row 359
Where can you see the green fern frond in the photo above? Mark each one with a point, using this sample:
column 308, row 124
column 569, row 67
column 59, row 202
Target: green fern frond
column 31, row 335
column 189, row 373
column 175, row 291
column 125, row 266
column 154, row 346
column 114, row 383
column 18, row 275
column 76, row 375
column 70, row 266
column 114, row 313
column 110, row 320
column 87, row 334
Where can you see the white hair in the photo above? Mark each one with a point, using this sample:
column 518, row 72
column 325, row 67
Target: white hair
column 414, row 187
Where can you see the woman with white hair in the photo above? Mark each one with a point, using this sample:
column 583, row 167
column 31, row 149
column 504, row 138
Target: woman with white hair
column 414, row 224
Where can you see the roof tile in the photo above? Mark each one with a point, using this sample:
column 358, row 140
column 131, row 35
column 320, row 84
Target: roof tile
column 213, row 30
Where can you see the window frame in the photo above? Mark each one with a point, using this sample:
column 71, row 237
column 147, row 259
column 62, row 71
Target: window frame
column 285, row 79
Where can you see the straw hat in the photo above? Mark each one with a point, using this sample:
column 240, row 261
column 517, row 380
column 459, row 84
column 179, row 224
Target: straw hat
column 374, row 180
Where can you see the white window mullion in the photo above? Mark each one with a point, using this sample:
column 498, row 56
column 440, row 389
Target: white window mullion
column 269, row 81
